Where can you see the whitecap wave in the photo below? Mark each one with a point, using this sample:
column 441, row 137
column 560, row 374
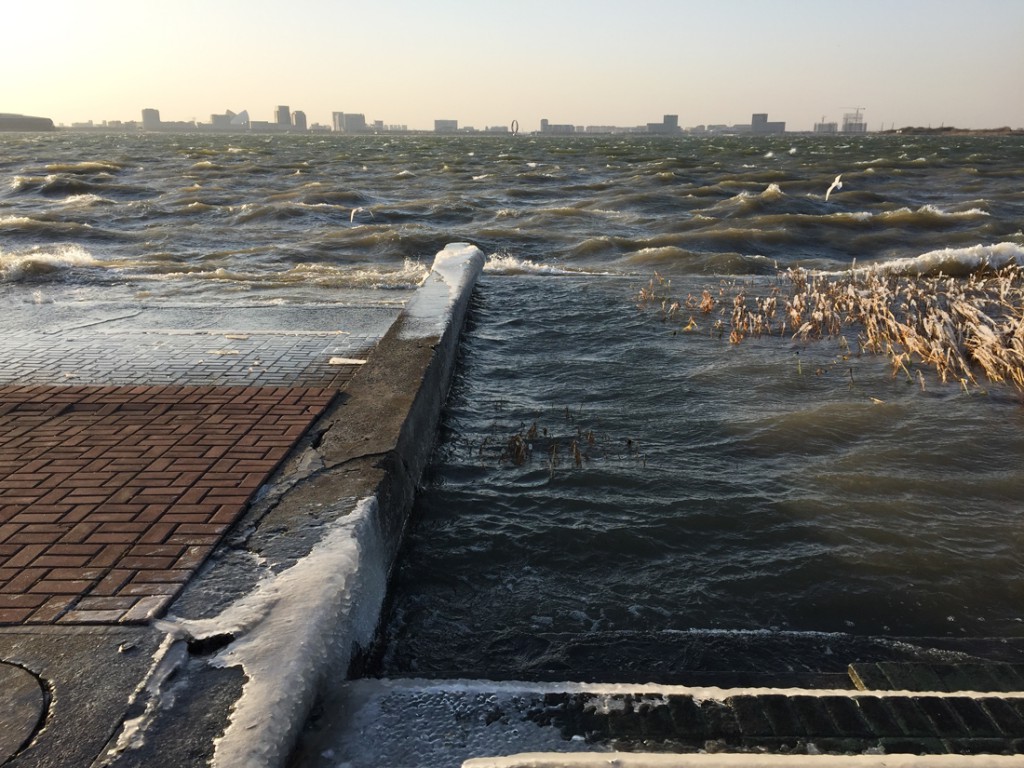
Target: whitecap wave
column 510, row 265
column 14, row 222
column 84, row 201
column 931, row 211
column 15, row 267
column 957, row 261
column 85, row 167
column 408, row 275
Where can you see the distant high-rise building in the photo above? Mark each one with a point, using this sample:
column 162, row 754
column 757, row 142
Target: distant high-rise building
column 759, row 124
column 347, row 122
column 546, row 127
column 669, row 125
column 824, row 127
column 446, row 126
column 151, row 119
column 284, row 117
column 299, row 120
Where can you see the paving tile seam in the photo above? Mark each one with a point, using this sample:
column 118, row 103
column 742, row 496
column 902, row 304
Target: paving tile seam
column 99, row 528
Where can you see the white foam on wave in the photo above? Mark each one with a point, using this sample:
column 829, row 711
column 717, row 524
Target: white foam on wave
column 410, row 274
column 86, row 166
column 770, row 193
column 16, row 221
column 932, row 210
column 19, row 266
column 83, row 201
column 18, row 183
column 499, row 264
column 957, row 261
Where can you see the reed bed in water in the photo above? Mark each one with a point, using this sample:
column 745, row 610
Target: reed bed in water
column 966, row 328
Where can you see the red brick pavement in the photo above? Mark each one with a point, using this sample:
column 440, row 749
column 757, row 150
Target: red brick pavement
column 112, row 497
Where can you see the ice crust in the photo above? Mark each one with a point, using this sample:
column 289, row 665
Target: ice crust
column 642, row 760
column 296, row 627
column 441, row 723
column 429, row 309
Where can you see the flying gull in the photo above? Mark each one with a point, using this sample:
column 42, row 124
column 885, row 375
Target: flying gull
column 837, row 184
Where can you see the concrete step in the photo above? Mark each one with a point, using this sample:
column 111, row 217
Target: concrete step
column 901, row 676
column 445, row 722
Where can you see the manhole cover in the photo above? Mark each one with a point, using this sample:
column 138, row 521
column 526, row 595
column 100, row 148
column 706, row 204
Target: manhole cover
column 22, row 703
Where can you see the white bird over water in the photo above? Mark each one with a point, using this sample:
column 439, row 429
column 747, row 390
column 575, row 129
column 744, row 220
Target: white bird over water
column 352, row 216
column 837, row 184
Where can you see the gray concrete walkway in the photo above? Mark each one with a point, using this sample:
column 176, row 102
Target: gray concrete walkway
column 124, row 345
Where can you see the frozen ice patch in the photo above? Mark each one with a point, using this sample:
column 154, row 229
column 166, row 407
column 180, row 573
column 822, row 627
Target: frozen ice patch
column 295, row 628
column 448, row 286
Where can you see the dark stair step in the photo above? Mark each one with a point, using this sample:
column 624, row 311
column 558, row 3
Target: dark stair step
column 919, row 676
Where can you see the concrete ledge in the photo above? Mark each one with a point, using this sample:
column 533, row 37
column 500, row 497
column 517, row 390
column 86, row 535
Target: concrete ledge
column 419, row 723
column 323, row 534
column 645, row 760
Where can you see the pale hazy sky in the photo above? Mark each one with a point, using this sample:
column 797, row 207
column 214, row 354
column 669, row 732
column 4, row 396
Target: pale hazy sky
column 586, row 62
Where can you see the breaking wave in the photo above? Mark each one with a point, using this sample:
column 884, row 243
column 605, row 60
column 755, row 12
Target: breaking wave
column 957, row 262
column 510, row 265
column 55, row 263
column 406, row 276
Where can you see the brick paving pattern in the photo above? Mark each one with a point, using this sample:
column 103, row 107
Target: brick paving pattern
column 112, row 497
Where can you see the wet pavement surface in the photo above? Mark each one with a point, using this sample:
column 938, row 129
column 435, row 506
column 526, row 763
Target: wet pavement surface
column 124, row 346
column 131, row 438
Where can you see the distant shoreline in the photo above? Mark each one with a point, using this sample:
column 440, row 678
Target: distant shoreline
column 950, row 130
column 24, row 123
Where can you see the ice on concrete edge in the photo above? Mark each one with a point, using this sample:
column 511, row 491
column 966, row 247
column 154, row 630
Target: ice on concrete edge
column 738, row 760
column 427, row 723
column 291, row 630
column 697, row 693
column 451, row 277
column 167, row 659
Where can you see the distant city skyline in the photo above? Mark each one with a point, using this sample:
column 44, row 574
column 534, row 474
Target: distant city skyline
column 286, row 120
column 584, row 62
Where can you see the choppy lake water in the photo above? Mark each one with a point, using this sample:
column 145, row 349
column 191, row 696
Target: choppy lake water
column 606, row 486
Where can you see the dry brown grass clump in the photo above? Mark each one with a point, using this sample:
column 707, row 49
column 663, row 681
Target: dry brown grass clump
column 967, row 329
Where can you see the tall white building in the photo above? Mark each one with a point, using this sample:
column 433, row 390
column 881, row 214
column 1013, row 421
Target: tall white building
column 151, row 119
column 348, row 122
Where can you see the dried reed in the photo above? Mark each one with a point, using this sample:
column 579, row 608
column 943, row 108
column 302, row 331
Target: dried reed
column 967, row 329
